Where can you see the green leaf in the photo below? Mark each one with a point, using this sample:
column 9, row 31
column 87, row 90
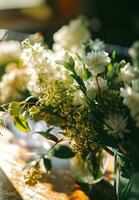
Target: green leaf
column 113, row 55
column 79, row 81
column 107, row 140
column 21, row 123
column 71, row 63
column 63, row 151
column 110, row 67
column 49, row 129
column 31, row 99
column 14, row 108
column 47, row 164
column 48, row 135
column 86, row 73
column 2, row 109
column 78, row 56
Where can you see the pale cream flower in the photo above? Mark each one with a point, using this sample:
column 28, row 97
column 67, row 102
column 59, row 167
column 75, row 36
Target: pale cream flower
column 98, row 45
column 9, row 51
column 135, row 85
column 79, row 67
column 126, row 74
column 96, row 61
column 13, row 85
column 71, row 35
column 93, row 85
column 62, row 74
column 44, row 65
column 116, row 125
column 39, row 65
column 35, row 56
column 62, row 57
column 131, row 100
column 78, row 98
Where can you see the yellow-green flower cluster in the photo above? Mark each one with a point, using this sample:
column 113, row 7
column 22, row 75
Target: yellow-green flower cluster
column 77, row 119
column 58, row 96
column 80, row 129
column 32, row 175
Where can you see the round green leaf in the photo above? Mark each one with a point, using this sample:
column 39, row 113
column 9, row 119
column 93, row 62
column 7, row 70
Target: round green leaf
column 48, row 135
column 31, row 99
column 47, row 163
column 63, row 151
column 21, row 123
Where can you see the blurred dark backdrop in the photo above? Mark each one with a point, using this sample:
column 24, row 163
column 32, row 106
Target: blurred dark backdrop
column 115, row 22
column 118, row 21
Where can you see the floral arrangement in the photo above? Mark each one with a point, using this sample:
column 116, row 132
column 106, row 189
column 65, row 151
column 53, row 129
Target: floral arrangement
column 93, row 98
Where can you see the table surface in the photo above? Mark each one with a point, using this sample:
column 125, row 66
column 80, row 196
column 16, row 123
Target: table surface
column 58, row 185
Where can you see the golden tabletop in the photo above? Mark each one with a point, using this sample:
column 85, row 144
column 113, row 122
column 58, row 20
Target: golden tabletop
column 58, row 185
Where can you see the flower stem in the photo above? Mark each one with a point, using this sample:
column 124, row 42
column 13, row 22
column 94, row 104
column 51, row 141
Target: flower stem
column 108, row 151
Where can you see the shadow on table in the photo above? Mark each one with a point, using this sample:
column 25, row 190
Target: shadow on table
column 102, row 190
column 7, row 189
column 62, row 181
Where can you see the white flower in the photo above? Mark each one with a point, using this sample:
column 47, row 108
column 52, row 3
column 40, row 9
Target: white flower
column 115, row 125
column 96, row 61
column 35, row 56
column 62, row 74
column 79, row 68
column 44, row 65
column 9, row 51
column 39, row 65
column 13, row 85
column 131, row 100
column 78, row 98
column 33, row 83
column 71, row 35
column 98, row 45
column 93, row 85
column 126, row 74
column 62, row 57
column 135, row 85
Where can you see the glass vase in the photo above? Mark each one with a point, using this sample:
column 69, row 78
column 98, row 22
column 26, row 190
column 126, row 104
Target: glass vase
column 89, row 169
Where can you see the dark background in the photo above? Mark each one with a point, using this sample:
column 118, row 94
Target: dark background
column 115, row 22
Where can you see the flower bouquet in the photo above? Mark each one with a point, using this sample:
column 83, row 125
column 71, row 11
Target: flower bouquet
column 93, row 98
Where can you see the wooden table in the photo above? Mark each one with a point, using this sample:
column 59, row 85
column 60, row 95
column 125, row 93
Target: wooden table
column 59, row 185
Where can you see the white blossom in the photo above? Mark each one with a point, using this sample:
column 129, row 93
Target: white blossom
column 13, row 85
column 98, row 45
column 135, row 85
column 9, row 51
column 96, row 61
column 44, row 65
column 62, row 57
column 131, row 100
column 116, row 125
column 71, row 35
column 78, row 98
column 35, row 56
column 39, row 65
column 93, row 85
column 79, row 67
column 63, row 75
column 126, row 74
